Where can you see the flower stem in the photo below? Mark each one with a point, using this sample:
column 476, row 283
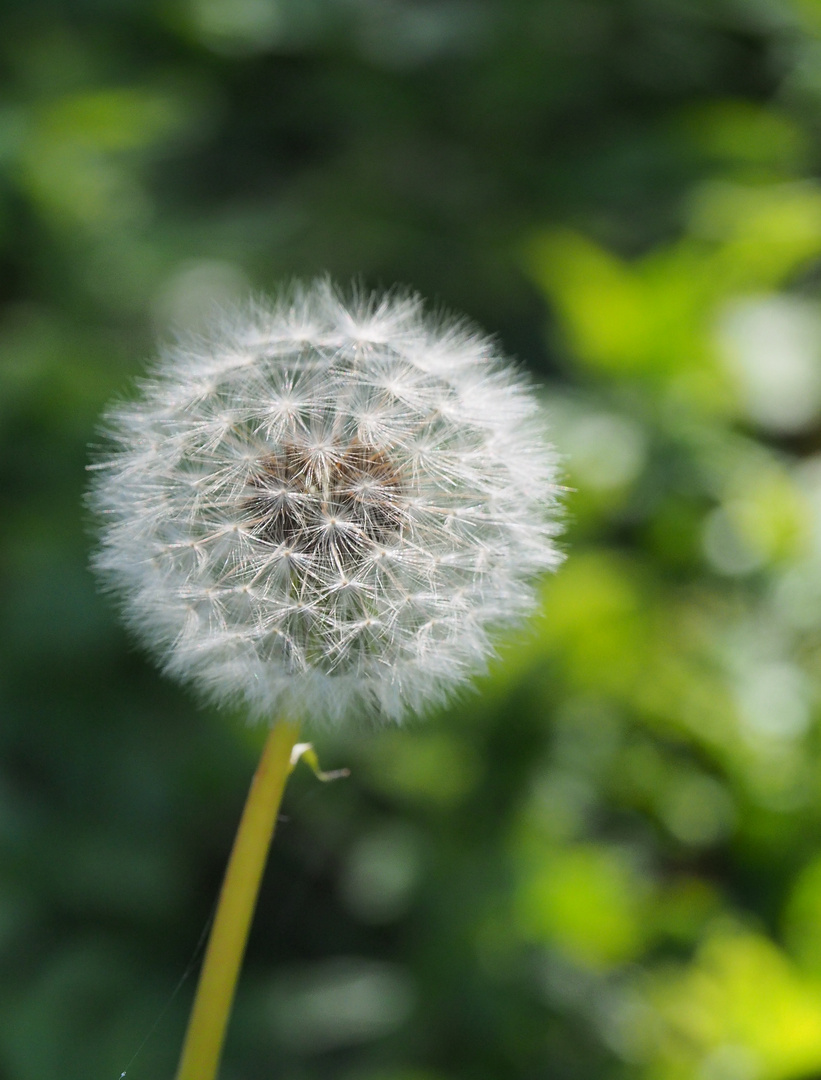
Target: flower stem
column 223, row 957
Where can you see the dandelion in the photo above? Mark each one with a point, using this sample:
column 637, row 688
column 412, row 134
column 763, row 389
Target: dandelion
column 322, row 510
column 327, row 510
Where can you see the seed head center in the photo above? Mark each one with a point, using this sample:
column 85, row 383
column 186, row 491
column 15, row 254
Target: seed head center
column 343, row 499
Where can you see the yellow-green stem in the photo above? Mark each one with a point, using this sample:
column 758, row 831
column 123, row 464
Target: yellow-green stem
column 220, row 970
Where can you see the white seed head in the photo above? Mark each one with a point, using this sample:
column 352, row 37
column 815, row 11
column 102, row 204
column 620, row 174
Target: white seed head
column 327, row 508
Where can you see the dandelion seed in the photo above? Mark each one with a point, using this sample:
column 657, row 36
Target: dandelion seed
column 327, row 508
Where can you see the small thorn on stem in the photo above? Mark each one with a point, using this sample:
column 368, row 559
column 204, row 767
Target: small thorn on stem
column 308, row 754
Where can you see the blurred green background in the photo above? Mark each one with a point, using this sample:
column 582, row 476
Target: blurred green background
column 607, row 862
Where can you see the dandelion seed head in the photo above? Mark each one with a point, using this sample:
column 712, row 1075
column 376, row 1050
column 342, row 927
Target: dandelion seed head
column 326, row 508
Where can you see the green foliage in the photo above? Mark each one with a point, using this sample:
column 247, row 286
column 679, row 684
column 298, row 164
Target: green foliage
column 605, row 863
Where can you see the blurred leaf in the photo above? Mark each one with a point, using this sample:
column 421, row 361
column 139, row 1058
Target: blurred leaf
column 740, row 1005
column 586, row 902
